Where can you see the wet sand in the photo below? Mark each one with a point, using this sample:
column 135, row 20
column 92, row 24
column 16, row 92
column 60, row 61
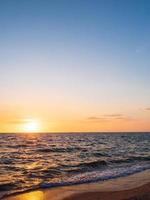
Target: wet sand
column 140, row 193
column 133, row 187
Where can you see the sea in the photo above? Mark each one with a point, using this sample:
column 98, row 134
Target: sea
column 45, row 160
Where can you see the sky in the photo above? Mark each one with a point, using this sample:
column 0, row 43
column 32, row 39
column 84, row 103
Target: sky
column 74, row 65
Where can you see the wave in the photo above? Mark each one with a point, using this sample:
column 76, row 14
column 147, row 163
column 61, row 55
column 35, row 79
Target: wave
column 89, row 177
column 58, row 150
column 93, row 164
column 131, row 159
column 86, row 166
column 6, row 186
column 102, row 163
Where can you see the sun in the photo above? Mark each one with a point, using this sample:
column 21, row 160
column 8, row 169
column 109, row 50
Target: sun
column 31, row 125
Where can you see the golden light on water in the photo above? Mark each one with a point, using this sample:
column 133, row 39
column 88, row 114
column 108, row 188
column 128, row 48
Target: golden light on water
column 31, row 125
column 36, row 195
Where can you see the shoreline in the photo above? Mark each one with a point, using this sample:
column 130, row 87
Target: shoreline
column 139, row 193
column 136, row 185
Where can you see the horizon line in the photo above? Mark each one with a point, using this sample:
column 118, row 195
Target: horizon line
column 70, row 132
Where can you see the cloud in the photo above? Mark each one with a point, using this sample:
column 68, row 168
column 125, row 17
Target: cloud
column 18, row 121
column 147, row 109
column 114, row 115
column 96, row 119
column 109, row 117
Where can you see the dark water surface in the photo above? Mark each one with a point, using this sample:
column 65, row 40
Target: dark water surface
column 29, row 161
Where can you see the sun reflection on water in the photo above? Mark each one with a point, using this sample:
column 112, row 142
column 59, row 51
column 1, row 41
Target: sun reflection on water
column 36, row 195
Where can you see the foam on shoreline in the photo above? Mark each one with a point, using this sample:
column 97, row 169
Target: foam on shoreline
column 120, row 184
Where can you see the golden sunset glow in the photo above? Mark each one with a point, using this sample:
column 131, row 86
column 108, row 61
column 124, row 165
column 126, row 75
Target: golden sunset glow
column 36, row 195
column 31, row 125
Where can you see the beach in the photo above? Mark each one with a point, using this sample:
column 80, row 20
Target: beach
column 133, row 187
column 140, row 193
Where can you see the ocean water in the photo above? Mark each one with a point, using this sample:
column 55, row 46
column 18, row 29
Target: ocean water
column 31, row 161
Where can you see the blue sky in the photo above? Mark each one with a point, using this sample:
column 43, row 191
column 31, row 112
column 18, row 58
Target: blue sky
column 77, row 58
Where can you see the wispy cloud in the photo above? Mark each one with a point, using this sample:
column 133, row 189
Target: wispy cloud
column 109, row 117
column 113, row 115
column 96, row 119
column 147, row 109
column 18, row 121
column 14, row 121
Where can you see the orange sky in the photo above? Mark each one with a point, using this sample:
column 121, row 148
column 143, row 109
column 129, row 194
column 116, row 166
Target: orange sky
column 15, row 119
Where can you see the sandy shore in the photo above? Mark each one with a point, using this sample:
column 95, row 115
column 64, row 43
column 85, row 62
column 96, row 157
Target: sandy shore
column 133, row 187
column 140, row 193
